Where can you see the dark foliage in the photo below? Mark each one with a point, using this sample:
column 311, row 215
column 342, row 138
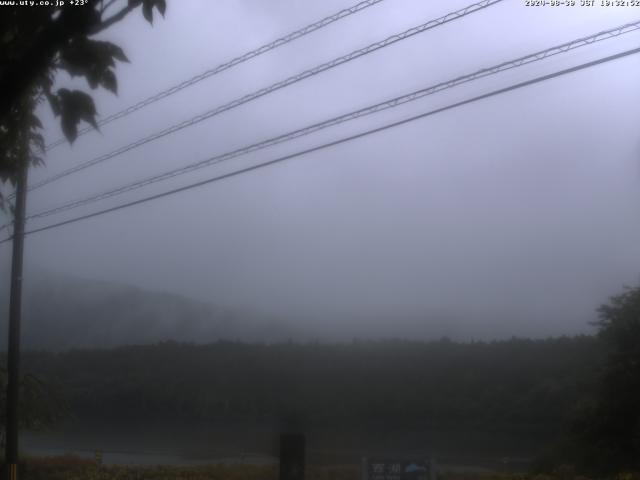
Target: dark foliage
column 606, row 436
column 518, row 385
column 36, row 43
column 41, row 405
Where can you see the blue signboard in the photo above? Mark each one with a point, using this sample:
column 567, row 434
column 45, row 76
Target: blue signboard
column 397, row 469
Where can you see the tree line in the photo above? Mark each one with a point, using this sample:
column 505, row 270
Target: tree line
column 517, row 384
column 581, row 392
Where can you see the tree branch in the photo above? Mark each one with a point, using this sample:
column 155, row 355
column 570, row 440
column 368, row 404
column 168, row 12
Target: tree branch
column 111, row 20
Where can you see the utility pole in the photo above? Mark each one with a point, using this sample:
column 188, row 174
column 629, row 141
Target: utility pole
column 15, row 313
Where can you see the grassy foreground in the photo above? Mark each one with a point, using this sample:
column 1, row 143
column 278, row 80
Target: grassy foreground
column 75, row 468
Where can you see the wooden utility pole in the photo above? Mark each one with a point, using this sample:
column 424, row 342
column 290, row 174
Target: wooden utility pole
column 15, row 313
column 292, row 448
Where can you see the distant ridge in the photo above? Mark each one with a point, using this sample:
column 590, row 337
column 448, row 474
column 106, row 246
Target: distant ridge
column 62, row 312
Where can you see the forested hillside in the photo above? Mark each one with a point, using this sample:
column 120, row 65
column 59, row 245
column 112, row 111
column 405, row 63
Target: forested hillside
column 63, row 312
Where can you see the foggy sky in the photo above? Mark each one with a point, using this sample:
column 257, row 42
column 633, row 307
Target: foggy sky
column 516, row 215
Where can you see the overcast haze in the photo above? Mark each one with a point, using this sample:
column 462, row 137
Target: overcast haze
column 515, row 215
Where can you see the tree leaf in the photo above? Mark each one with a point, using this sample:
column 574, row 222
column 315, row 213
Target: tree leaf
column 109, row 81
column 54, row 103
column 161, row 5
column 75, row 106
column 92, row 59
column 147, row 10
column 93, row 79
column 118, row 53
column 69, row 128
column 38, row 141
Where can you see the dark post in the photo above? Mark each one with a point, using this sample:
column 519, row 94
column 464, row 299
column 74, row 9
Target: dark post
column 292, row 457
column 364, row 469
column 15, row 304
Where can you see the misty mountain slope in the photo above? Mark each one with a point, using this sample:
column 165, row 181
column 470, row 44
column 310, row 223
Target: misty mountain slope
column 64, row 312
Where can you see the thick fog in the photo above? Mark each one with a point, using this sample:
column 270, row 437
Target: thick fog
column 515, row 215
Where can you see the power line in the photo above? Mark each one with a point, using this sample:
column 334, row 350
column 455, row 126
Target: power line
column 276, row 86
column 230, row 64
column 341, row 141
column 394, row 102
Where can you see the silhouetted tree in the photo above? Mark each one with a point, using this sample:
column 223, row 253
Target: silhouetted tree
column 41, row 405
column 36, row 43
column 610, row 429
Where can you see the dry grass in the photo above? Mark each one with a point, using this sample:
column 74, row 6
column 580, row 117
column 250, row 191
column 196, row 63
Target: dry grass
column 75, row 468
